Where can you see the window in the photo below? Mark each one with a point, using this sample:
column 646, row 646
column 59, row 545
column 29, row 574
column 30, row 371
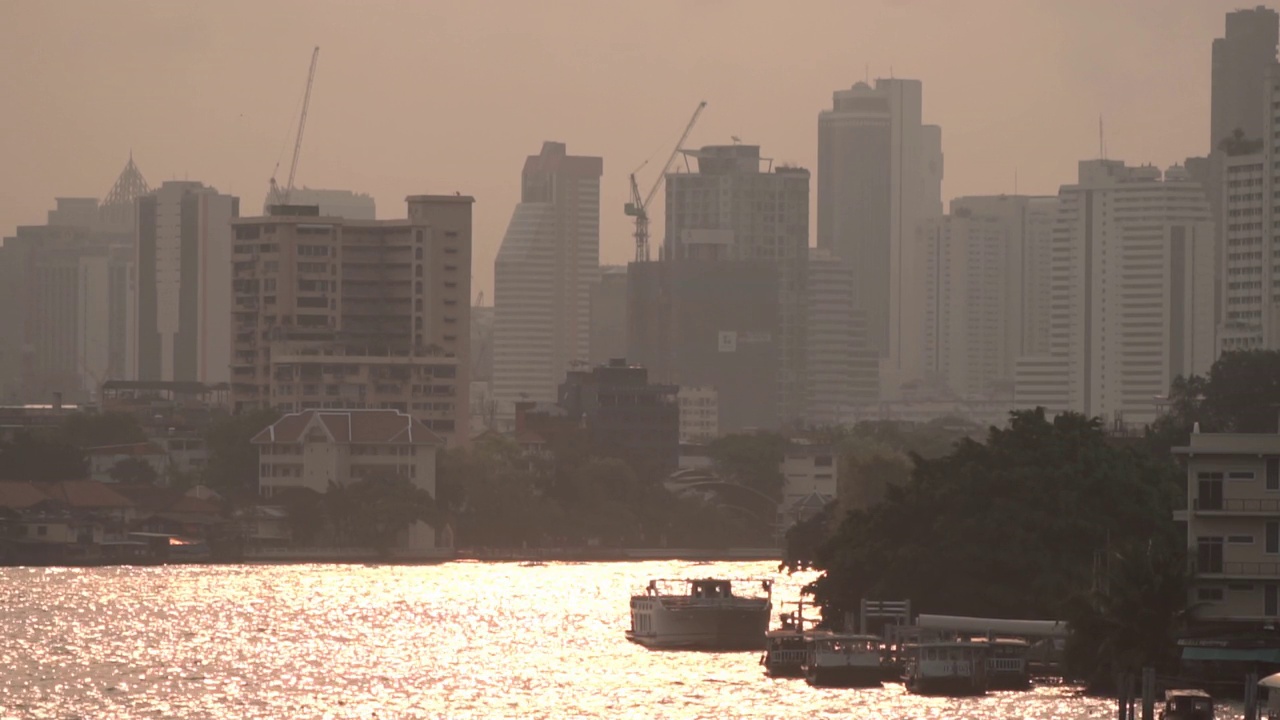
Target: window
column 1270, row 601
column 1273, row 537
column 1210, row 491
column 42, row 530
column 1209, row 555
column 1209, row 594
column 1240, row 539
column 1273, row 473
column 1240, row 475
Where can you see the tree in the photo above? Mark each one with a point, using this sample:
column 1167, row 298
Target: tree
column 233, row 459
column 32, row 457
column 134, row 470
column 88, row 430
column 1133, row 617
column 1237, row 144
column 374, row 511
column 751, row 459
column 1240, row 394
column 1009, row 527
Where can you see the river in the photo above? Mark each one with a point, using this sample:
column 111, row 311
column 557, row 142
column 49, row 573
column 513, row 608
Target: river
column 458, row 640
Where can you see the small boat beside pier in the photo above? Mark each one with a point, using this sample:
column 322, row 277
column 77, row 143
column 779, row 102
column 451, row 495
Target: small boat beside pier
column 955, row 668
column 786, row 647
column 1007, row 667
column 1187, row 705
column 841, row 660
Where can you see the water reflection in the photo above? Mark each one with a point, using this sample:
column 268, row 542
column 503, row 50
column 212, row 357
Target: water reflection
column 462, row 640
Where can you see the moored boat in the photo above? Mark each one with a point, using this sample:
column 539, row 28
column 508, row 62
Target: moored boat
column 1007, row 664
column 702, row 614
column 1187, row 705
column 841, row 660
column 955, row 668
column 786, row 647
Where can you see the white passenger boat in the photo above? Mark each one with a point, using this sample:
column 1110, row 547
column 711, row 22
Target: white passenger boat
column 840, row 660
column 956, row 667
column 1007, row 664
column 786, row 647
column 703, row 614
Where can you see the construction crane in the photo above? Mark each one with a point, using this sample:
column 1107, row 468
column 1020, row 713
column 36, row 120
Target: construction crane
column 278, row 196
column 638, row 208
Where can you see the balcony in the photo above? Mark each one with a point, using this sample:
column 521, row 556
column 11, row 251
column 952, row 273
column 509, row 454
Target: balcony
column 1236, row 569
column 1236, row 505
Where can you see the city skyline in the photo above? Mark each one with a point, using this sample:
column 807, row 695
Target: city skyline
column 69, row 136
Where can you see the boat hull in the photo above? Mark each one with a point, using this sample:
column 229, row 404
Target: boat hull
column 950, row 686
column 733, row 626
column 844, row 676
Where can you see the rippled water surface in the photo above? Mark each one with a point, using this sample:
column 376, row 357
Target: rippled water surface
column 460, row 640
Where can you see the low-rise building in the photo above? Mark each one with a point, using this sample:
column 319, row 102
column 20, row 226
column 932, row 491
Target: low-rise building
column 313, row 448
column 1233, row 526
column 810, row 481
column 104, row 459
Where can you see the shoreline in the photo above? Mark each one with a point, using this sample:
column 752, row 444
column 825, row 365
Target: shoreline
column 439, row 556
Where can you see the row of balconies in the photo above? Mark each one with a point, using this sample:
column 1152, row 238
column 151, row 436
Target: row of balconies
column 1234, row 568
column 1236, row 505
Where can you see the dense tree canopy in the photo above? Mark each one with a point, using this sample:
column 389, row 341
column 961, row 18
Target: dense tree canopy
column 1007, row 528
column 134, row 470
column 233, row 459
column 751, row 459
column 1240, row 394
column 41, row 457
column 86, row 430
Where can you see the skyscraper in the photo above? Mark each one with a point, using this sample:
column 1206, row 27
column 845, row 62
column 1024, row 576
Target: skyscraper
column 543, row 275
column 1131, row 293
column 879, row 177
column 843, row 370
column 729, row 209
column 1240, row 62
column 183, row 289
column 1250, row 319
column 987, row 291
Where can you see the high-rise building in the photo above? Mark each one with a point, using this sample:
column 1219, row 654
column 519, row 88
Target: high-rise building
column 609, row 315
column 1241, row 58
column 183, row 291
column 1250, row 268
column 730, row 209
column 987, row 291
column 332, row 313
column 332, row 203
column 713, row 324
column 65, row 300
column 1131, row 293
column 547, row 264
column 843, row 369
column 879, row 178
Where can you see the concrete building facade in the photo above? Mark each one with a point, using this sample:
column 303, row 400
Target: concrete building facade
column 333, row 313
column 609, row 315
column 1132, row 289
column 699, row 415
column 879, row 177
column 183, row 291
column 843, row 370
column 727, row 208
column 1233, row 526
column 710, row 323
column 332, row 203
column 987, row 291
column 548, row 262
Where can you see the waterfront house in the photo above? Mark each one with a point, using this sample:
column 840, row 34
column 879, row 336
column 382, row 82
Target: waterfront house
column 1232, row 521
column 314, row 448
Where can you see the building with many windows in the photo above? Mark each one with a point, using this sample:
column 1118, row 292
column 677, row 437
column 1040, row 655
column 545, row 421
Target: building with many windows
column 331, row 313
column 879, row 177
column 699, row 415
column 1233, row 526
column 547, row 265
column 737, row 206
column 1131, row 294
column 843, row 369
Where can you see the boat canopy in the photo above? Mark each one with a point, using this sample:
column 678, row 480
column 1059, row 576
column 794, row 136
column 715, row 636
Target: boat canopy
column 1270, row 682
column 997, row 626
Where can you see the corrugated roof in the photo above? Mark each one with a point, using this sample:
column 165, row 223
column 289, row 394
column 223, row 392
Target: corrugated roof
column 351, row 426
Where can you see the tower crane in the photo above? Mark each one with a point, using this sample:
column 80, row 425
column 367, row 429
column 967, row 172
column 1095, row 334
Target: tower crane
column 278, row 196
column 638, row 208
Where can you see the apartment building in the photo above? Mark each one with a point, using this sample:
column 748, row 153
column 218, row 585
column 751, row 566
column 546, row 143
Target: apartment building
column 332, row 313
column 1233, row 526
column 699, row 414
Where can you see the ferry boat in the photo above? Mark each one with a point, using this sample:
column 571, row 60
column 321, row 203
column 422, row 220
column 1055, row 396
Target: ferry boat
column 702, row 614
column 1007, row 667
column 1187, row 705
column 786, row 647
column 840, row 660
column 955, row 668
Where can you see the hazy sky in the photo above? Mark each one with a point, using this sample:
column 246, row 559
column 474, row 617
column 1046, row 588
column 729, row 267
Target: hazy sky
column 437, row 97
